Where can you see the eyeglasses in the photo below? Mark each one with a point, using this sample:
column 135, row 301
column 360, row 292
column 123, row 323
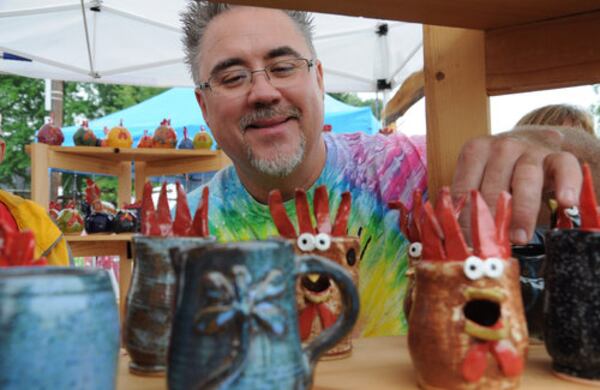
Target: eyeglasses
column 237, row 82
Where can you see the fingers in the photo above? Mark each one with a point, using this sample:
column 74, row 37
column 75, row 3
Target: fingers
column 527, row 184
column 564, row 176
column 470, row 166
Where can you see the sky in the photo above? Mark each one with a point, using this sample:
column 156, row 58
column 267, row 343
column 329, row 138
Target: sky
column 506, row 110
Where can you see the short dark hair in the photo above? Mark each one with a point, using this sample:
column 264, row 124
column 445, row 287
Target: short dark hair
column 198, row 15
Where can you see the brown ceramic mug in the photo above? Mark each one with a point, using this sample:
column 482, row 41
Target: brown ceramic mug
column 318, row 297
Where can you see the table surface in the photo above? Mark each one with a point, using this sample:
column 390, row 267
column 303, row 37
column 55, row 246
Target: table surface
column 376, row 363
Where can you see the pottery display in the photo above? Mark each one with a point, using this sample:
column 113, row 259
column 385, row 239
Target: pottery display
column 572, row 302
column 236, row 320
column 150, row 301
column 164, row 136
column 145, row 141
column 466, row 323
column 59, row 329
column 84, row 136
column 202, row 140
column 318, row 297
column 186, row 142
column 50, row 134
column 119, row 137
column 100, row 217
column 125, row 221
column 69, row 220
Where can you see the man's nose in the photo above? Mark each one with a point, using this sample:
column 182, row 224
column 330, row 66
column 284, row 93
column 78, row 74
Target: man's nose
column 262, row 91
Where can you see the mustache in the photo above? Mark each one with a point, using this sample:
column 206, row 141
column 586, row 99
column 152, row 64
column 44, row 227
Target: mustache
column 268, row 112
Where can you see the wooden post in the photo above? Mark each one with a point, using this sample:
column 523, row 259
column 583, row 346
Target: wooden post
column 457, row 105
column 57, row 105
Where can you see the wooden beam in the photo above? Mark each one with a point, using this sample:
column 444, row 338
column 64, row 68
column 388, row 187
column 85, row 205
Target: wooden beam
column 553, row 54
column 476, row 14
column 410, row 92
column 457, row 107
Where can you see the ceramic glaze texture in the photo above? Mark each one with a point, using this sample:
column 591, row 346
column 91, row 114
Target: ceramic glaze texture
column 236, row 323
column 318, row 297
column 572, row 309
column 59, row 329
column 151, row 300
column 466, row 322
column 447, row 322
column 532, row 261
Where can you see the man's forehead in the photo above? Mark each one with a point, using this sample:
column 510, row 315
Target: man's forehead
column 249, row 31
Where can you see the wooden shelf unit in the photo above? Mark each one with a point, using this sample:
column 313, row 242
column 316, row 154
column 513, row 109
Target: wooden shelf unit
column 116, row 162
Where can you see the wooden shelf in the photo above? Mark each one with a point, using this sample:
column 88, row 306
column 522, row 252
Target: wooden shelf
column 131, row 154
column 122, row 237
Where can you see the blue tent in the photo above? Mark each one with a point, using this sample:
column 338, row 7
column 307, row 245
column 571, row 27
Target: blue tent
column 179, row 104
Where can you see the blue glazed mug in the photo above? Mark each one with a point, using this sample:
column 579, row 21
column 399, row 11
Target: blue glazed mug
column 236, row 321
column 59, row 329
column 151, row 302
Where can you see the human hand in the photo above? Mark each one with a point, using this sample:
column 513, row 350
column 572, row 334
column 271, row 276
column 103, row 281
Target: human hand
column 525, row 163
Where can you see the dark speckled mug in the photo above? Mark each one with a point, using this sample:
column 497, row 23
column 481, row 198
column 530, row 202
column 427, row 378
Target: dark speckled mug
column 572, row 303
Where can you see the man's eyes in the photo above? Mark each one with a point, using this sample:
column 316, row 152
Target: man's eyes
column 232, row 78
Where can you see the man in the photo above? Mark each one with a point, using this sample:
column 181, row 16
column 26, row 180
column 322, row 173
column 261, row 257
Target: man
column 22, row 214
column 260, row 88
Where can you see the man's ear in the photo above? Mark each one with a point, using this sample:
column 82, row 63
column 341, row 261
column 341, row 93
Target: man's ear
column 319, row 72
column 202, row 104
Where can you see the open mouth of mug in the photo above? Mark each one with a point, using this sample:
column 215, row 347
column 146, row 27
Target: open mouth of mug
column 483, row 312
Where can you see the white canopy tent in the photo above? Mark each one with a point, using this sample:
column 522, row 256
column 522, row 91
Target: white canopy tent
column 137, row 42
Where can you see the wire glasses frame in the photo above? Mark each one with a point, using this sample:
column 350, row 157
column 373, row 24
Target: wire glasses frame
column 235, row 82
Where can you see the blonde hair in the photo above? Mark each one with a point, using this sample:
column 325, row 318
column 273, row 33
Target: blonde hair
column 560, row 115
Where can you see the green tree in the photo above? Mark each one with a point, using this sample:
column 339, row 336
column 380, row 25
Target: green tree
column 353, row 100
column 22, row 109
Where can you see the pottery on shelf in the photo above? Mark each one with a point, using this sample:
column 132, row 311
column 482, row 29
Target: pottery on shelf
column 119, row 137
column 84, row 136
column 125, row 221
column 50, row 134
column 202, row 140
column 186, row 142
column 466, row 325
column 164, row 136
column 70, row 221
column 318, row 297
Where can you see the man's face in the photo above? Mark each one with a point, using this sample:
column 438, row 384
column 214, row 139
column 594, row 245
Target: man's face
column 268, row 129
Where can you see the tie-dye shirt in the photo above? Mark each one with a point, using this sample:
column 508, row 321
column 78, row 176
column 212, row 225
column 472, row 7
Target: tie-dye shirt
column 375, row 169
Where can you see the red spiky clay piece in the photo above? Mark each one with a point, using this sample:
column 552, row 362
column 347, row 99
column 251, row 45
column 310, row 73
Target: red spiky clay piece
column 18, row 248
column 157, row 222
column 321, row 208
column 303, row 213
column 590, row 219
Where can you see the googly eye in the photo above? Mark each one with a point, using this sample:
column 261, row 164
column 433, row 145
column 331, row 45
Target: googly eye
column 493, row 267
column 306, row 242
column 322, row 241
column 572, row 212
column 415, row 249
column 474, row 268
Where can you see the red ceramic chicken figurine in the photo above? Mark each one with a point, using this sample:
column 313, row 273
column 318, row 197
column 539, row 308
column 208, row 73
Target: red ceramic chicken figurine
column 466, row 323
column 318, row 298
column 164, row 136
column 145, row 141
column 50, row 134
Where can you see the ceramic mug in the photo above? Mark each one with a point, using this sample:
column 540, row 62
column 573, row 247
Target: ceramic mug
column 572, row 303
column 59, row 329
column 236, row 322
column 150, row 302
column 532, row 260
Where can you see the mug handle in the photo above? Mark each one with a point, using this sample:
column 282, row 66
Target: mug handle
column 349, row 295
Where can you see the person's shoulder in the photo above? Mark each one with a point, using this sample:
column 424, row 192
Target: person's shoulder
column 396, row 143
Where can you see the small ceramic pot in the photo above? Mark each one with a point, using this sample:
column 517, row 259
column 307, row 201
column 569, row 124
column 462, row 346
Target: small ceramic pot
column 572, row 307
column 59, row 329
column 125, row 222
column 236, row 323
column 467, row 332
column 150, row 302
column 318, row 297
column 532, row 260
column 99, row 223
